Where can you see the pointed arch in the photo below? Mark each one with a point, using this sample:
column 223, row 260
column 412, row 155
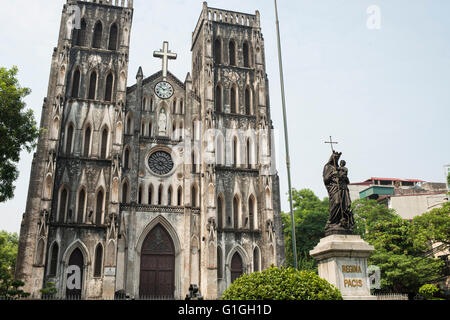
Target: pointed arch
column 92, row 86
column 248, row 101
column 218, row 51
column 247, row 55
column 39, row 258
column 69, row 138
column 236, row 211
column 76, row 83
column 232, row 52
column 160, row 195
column 194, row 196
column 104, row 143
column 87, row 141
column 80, row 34
column 97, row 39
column 109, row 87
column 220, row 149
column 252, row 212
column 81, row 205
column 150, row 194
column 235, row 152
column 129, row 124
column 268, row 197
column 98, row 262
column 125, row 192
column 234, row 99
column 126, row 158
column 221, row 211
column 113, row 36
column 63, row 203
column 218, row 98
column 256, row 259
column 180, row 196
column 53, row 259
column 169, row 196
column 219, row 263
column 100, row 206
column 140, row 195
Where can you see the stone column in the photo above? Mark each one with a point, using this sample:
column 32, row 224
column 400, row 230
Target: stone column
column 342, row 262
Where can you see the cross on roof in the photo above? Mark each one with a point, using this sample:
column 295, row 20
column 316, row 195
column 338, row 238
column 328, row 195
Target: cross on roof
column 331, row 142
column 165, row 54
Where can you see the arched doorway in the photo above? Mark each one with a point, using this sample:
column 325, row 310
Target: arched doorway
column 237, row 268
column 74, row 285
column 157, row 275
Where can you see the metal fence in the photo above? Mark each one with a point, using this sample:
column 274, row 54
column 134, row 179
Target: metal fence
column 391, row 296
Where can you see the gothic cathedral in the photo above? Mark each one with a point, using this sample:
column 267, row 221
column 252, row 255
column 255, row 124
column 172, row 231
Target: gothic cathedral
column 145, row 190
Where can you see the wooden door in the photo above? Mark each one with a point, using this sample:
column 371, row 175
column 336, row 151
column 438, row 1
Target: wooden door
column 157, row 277
column 237, row 269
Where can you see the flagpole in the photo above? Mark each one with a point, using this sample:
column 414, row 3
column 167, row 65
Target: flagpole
column 286, row 136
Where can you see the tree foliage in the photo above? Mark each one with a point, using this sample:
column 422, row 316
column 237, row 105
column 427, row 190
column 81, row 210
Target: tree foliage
column 9, row 288
column 18, row 129
column 399, row 251
column 310, row 216
column 281, row 284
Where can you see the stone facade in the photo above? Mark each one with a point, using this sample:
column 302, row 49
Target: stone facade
column 122, row 172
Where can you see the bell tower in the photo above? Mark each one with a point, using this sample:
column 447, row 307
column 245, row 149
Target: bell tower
column 242, row 229
column 73, row 206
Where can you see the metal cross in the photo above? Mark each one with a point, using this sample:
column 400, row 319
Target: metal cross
column 165, row 54
column 331, row 142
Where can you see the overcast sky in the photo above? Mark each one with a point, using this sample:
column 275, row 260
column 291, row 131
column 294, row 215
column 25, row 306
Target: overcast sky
column 383, row 94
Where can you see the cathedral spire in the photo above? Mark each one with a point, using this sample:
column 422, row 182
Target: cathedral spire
column 140, row 74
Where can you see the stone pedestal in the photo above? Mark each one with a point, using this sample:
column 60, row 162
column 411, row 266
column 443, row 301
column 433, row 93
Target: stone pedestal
column 342, row 262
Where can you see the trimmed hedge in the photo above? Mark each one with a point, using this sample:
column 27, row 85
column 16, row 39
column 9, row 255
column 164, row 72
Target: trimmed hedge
column 281, row 284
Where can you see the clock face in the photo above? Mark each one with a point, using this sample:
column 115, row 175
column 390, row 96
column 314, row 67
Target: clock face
column 160, row 162
column 164, row 90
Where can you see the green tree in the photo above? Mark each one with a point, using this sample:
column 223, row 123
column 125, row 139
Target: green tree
column 310, row 216
column 432, row 227
column 10, row 288
column 281, row 284
column 404, row 267
column 18, row 129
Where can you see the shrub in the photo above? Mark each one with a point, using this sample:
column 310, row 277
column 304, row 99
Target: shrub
column 281, row 284
column 428, row 291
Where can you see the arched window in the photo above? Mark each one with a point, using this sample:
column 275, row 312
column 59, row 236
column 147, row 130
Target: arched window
column 220, row 213
column 144, row 103
column 194, row 162
column 129, row 124
column 98, row 261
column 251, row 212
column 54, row 260
column 236, row 212
column 249, row 154
column 181, row 106
column 87, row 141
column 99, row 208
column 125, row 192
column 194, row 197
column 126, row 158
column 169, row 196
column 140, row 195
column 160, row 195
column 232, row 52
column 150, row 129
column 247, row 101
column 246, row 53
column 219, row 150
column 81, row 205
column 76, row 84
column 219, row 264
column 235, row 153
column 219, row 99
column 217, row 51
column 234, row 100
column 92, row 86
column 104, row 145
column 97, row 40
column 256, row 259
column 151, row 104
column 63, row 204
column 69, row 139
column 39, row 258
column 150, row 195
column 174, row 106
column 108, row 88
column 113, row 38
column 80, row 34
column 180, row 197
